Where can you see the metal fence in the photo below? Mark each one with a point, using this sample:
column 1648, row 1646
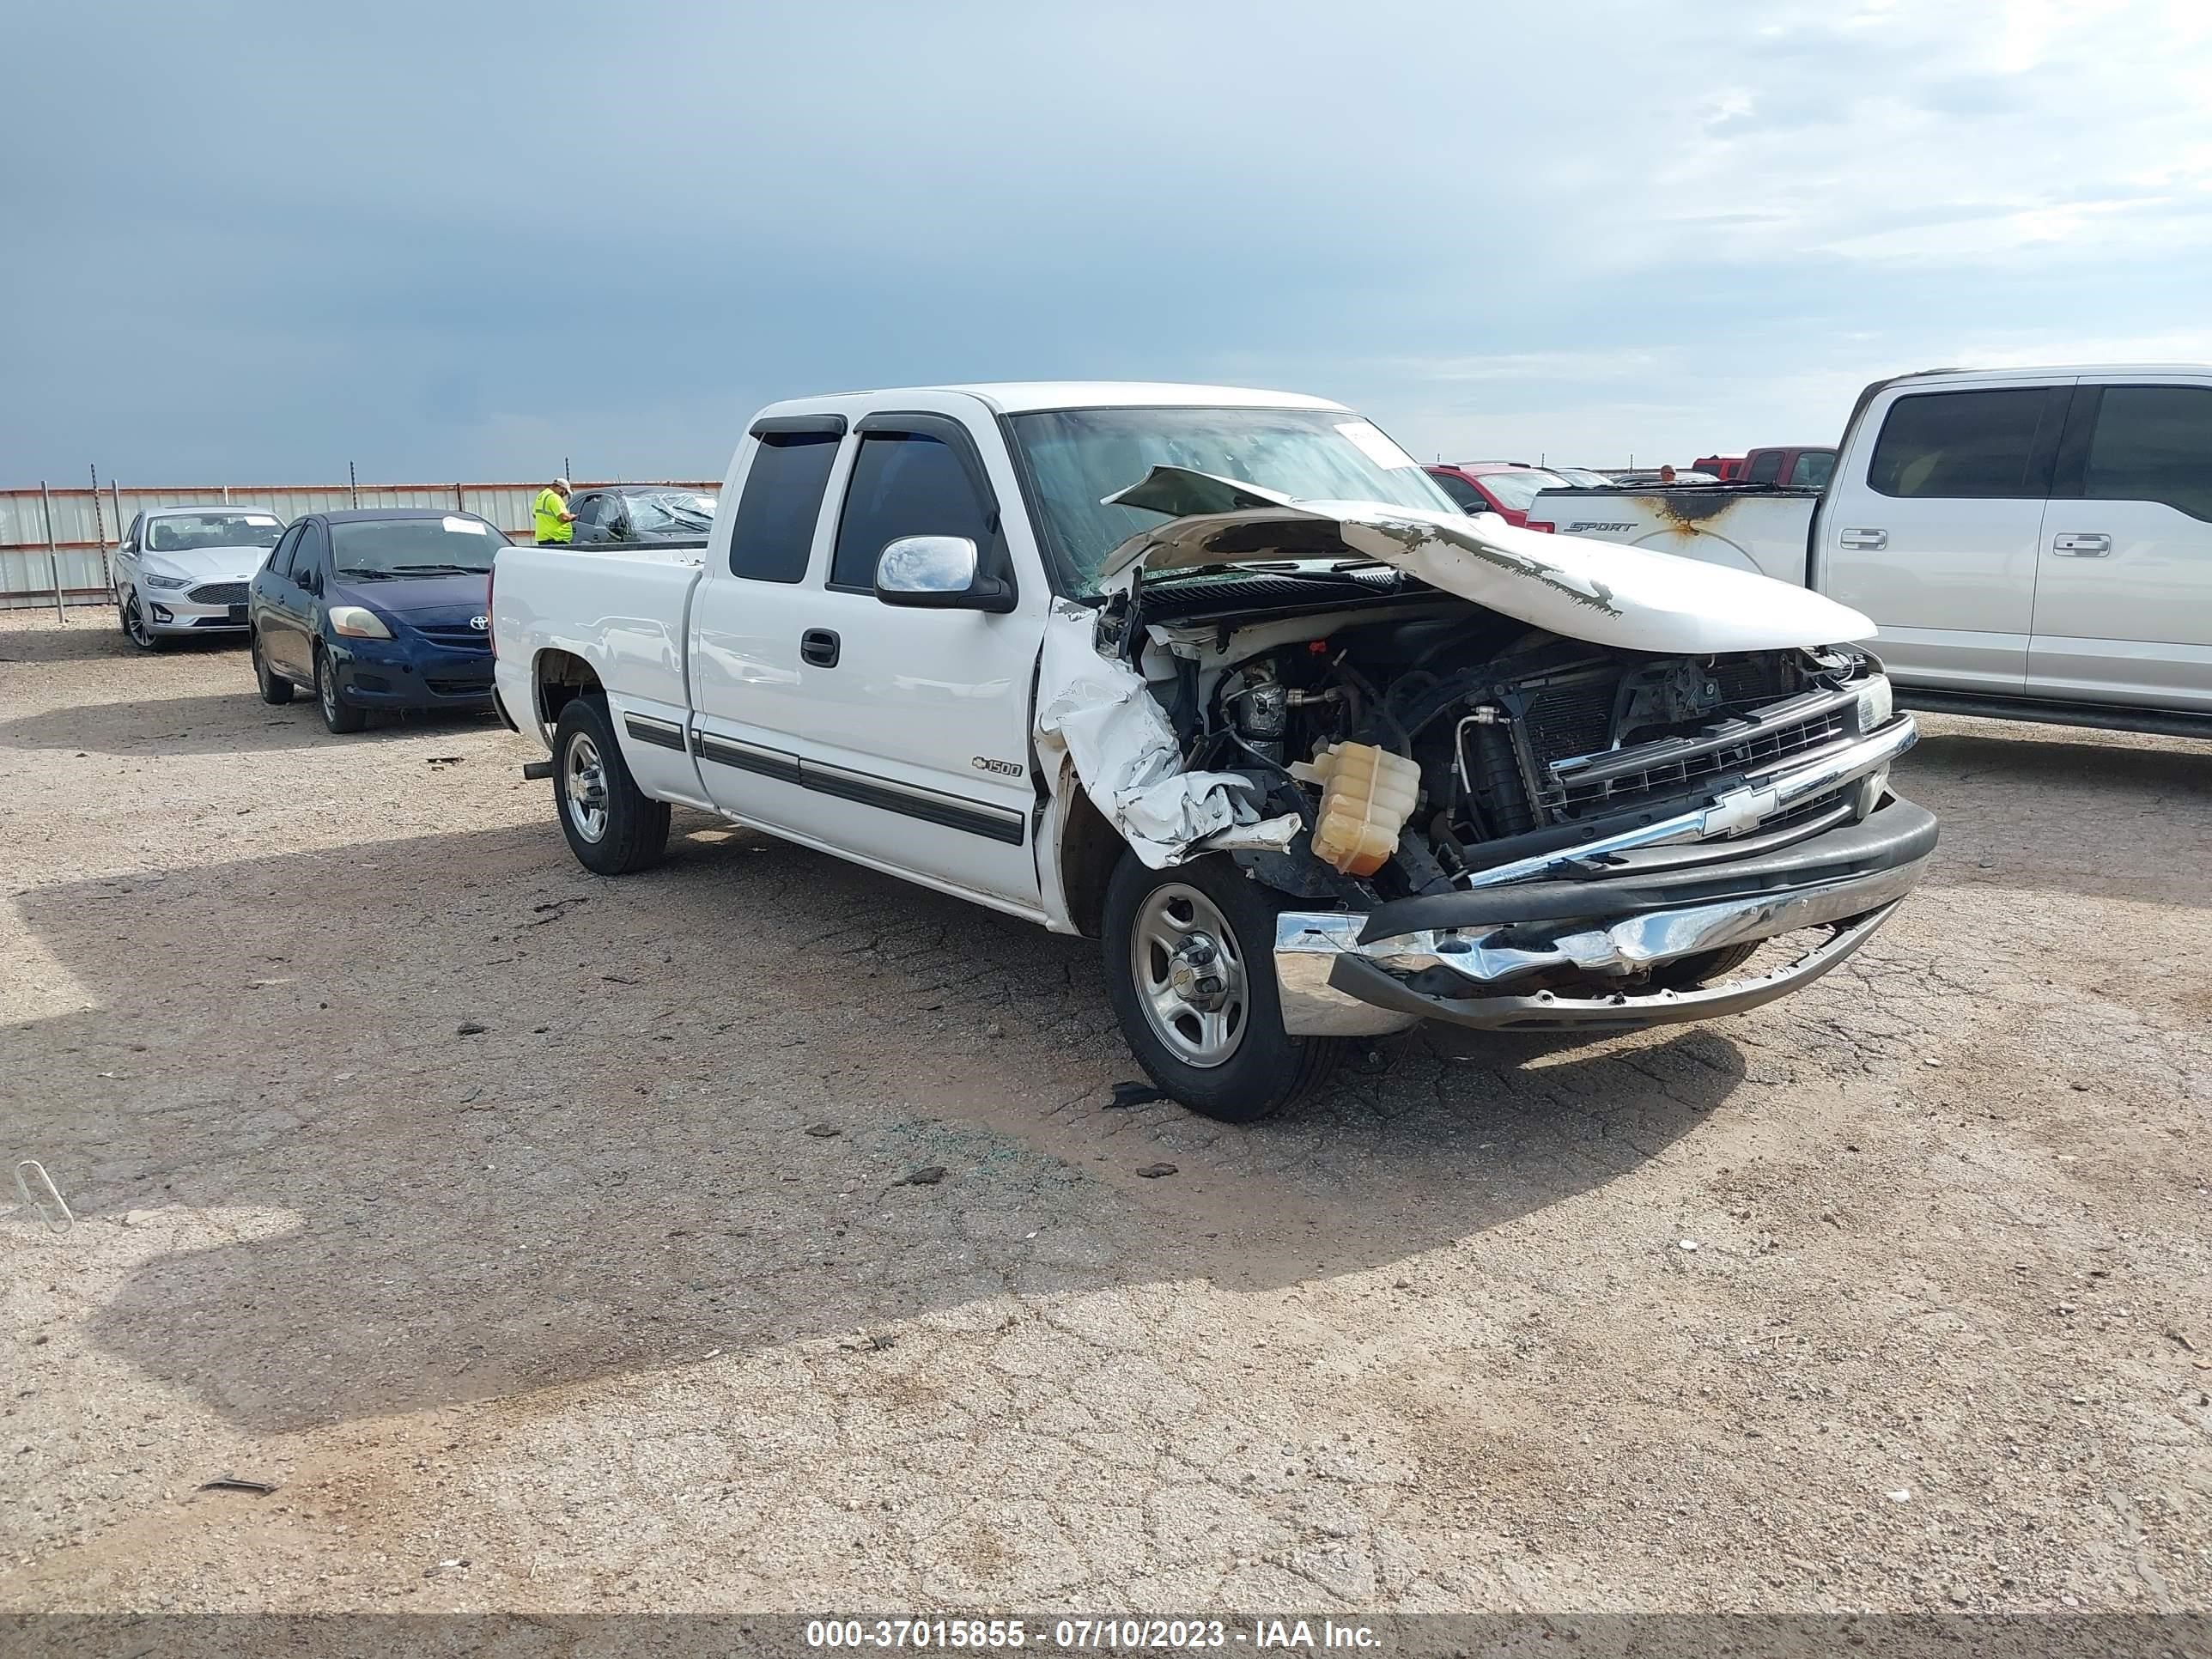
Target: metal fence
column 54, row 543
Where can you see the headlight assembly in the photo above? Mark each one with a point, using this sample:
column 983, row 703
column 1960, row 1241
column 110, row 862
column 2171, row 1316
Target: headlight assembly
column 1876, row 704
column 153, row 581
column 358, row 622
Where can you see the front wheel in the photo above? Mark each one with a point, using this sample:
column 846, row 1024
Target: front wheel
column 135, row 626
column 1705, row 968
column 274, row 687
column 1190, row 970
column 341, row 716
column 613, row 827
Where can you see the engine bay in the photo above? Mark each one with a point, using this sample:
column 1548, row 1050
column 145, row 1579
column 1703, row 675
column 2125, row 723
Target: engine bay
column 1509, row 740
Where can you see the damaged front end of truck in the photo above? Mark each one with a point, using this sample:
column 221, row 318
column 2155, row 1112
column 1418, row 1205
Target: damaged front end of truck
column 1496, row 778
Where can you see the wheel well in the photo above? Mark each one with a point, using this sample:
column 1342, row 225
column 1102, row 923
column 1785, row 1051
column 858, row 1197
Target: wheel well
column 1090, row 850
column 562, row 675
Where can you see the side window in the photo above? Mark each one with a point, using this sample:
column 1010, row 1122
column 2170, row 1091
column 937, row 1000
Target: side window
column 1464, row 494
column 774, row 530
column 591, row 513
column 1960, row 445
column 904, row 484
column 1766, row 466
column 280, row 560
column 131, row 536
column 310, row 556
column 2152, row 443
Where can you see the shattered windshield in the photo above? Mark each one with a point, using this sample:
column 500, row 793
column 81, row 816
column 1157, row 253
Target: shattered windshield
column 1077, row 456
column 671, row 513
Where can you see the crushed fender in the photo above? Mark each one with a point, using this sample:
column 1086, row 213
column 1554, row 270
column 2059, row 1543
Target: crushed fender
column 1102, row 716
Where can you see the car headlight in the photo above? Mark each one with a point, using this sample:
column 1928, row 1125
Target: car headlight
column 153, row 581
column 1876, row 704
column 358, row 622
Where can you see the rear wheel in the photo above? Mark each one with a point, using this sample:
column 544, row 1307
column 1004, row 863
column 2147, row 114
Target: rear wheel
column 338, row 714
column 613, row 827
column 274, row 688
column 1190, row 970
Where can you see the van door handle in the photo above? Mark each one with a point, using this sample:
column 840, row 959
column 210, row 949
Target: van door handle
column 2091, row 546
column 818, row 646
column 1871, row 541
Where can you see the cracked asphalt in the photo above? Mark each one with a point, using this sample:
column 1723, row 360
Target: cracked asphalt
column 1892, row 1295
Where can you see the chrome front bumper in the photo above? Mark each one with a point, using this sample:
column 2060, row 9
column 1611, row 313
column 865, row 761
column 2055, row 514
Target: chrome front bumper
column 1476, row 960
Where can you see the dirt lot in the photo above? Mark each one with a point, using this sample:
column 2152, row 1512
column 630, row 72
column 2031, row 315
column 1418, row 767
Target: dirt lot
column 1895, row 1294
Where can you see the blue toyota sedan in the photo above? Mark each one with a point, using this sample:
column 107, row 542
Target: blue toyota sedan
column 378, row 608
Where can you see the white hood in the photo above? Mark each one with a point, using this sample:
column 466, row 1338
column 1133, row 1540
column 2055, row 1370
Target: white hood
column 207, row 564
column 1585, row 590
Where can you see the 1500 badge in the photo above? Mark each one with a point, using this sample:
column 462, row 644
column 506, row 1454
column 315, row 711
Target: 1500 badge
column 1004, row 769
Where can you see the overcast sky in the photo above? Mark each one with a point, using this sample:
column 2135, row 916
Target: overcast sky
column 251, row 242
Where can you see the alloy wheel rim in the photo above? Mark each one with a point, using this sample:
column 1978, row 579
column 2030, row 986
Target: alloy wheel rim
column 134, row 619
column 1189, row 976
column 326, row 687
column 584, row 787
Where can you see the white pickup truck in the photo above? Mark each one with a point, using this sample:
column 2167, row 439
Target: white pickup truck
column 2034, row 543
column 1219, row 678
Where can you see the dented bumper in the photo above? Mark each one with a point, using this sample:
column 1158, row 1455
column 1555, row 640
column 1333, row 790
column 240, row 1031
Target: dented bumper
column 1540, row 955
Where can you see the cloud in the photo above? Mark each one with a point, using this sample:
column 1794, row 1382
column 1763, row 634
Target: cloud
column 281, row 238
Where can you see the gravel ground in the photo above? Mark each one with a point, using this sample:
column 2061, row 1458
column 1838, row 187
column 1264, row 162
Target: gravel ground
column 1892, row 1295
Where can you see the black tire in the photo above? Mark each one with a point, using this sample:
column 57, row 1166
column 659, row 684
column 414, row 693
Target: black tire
column 274, row 688
column 134, row 624
column 1263, row 1068
column 1688, row 973
column 592, row 789
column 341, row 716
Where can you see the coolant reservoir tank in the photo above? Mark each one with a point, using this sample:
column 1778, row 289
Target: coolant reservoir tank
column 1367, row 793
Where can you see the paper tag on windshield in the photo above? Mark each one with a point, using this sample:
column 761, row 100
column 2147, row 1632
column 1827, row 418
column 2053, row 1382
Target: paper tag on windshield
column 1376, row 445
column 257, row 518
column 463, row 527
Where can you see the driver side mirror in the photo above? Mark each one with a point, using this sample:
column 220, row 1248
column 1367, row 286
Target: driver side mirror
column 939, row 572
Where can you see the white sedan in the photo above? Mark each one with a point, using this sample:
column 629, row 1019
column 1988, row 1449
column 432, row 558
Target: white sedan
column 185, row 570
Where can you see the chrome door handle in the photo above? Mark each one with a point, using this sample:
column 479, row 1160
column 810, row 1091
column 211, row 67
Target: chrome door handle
column 2081, row 547
column 1872, row 541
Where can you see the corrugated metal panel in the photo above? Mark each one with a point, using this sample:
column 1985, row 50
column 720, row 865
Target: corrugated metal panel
column 81, row 531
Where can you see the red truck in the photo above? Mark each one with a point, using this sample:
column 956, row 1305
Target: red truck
column 1804, row 467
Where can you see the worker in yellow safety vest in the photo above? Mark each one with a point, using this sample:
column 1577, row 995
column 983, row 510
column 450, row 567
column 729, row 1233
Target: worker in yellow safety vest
column 552, row 521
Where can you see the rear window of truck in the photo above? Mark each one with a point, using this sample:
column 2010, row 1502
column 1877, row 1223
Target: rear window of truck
column 774, row 527
column 1960, row 445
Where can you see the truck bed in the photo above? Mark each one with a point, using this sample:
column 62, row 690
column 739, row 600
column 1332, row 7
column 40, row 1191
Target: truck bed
column 624, row 608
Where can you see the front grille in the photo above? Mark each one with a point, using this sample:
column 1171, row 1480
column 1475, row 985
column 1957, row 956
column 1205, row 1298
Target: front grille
column 456, row 636
column 218, row 593
column 1669, row 776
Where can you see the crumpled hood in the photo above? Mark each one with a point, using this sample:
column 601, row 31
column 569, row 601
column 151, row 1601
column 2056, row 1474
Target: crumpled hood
column 1607, row 594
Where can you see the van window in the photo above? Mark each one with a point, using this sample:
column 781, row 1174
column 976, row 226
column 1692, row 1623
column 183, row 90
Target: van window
column 1960, row 445
column 2153, row 443
column 774, row 530
column 904, row 483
